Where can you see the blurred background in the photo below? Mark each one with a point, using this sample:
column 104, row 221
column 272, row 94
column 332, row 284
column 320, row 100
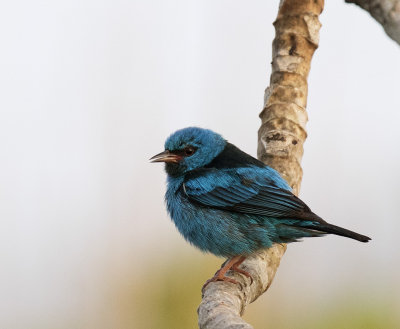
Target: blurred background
column 89, row 92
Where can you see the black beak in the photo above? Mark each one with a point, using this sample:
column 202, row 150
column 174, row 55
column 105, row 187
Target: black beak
column 166, row 156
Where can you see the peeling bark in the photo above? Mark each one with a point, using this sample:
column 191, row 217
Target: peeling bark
column 386, row 12
column 281, row 137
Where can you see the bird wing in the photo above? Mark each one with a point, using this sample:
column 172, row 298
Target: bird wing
column 251, row 190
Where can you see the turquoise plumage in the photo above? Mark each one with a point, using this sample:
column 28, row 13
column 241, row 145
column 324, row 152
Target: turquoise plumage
column 228, row 203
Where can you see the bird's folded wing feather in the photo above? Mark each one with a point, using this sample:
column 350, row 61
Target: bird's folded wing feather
column 251, row 190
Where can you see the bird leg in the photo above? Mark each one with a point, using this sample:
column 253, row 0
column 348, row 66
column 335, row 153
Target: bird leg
column 232, row 264
column 235, row 267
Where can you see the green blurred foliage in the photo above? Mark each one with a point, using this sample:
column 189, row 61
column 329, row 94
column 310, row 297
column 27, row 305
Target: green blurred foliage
column 166, row 296
column 337, row 313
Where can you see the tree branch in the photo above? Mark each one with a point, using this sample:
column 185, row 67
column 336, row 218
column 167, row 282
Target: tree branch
column 386, row 12
column 281, row 137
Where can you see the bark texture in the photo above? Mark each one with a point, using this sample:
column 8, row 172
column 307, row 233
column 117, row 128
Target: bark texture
column 281, row 137
column 386, row 12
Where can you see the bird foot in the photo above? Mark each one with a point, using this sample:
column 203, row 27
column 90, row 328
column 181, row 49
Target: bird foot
column 219, row 277
column 245, row 273
column 232, row 264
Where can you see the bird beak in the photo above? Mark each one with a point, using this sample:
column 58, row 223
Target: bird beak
column 166, row 156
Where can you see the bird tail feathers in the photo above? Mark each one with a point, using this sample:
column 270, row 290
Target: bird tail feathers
column 333, row 229
column 326, row 228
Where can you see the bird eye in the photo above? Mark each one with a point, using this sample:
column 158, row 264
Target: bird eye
column 189, row 150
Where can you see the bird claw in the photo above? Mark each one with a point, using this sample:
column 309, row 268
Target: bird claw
column 232, row 265
column 216, row 278
column 245, row 273
column 235, row 267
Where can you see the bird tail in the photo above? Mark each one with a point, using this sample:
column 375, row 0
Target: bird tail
column 291, row 230
column 333, row 229
column 312, row 221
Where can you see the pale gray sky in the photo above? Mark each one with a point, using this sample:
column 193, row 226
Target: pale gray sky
column 91, row 89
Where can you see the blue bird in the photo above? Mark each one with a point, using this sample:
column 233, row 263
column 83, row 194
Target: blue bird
column 226, row 202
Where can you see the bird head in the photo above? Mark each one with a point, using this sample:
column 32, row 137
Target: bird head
column 188, row 149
